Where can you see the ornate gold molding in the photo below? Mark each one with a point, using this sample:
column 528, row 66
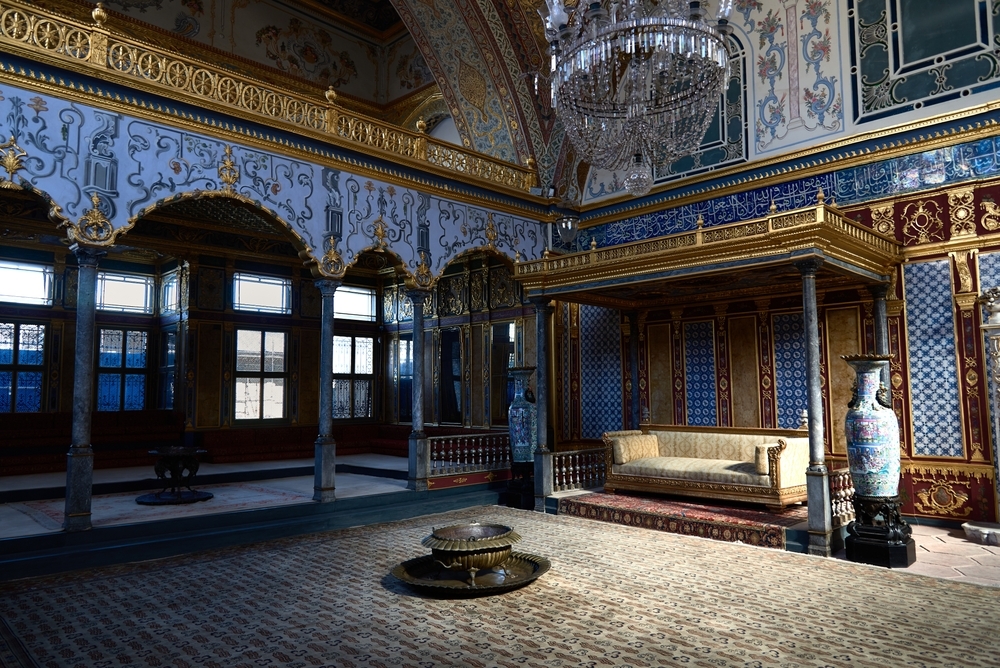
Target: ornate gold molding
column 10, row 160
column 95, row 50
column 977, row 471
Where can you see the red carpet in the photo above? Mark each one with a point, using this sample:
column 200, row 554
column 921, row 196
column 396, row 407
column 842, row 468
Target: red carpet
column 728, row 523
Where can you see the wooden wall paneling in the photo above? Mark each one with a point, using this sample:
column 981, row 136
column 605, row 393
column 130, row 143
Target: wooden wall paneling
column 479, row 381
column 432, row 376
column 765, row 341
column 208, row 377
column 628, row 386
column 744, row 371
column 659, row 350
column 643, row 370
column 722, row 374
column 228, row 357
column 677, row 366
column 973, row 366
column 575, row 406
column 308, row 408
column 844, row 337
column 466, row 337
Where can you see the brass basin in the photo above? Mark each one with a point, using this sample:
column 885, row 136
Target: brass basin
column 471, row 547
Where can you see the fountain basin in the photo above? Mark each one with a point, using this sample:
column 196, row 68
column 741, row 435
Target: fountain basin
column 471, row 547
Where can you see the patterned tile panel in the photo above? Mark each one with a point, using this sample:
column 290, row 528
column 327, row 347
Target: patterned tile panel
column 930, row 326
column 790, row 368
column 699, row 366
column 600, row 371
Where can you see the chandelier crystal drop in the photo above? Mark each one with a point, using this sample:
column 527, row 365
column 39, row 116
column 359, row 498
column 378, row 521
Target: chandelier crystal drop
column 635, row 82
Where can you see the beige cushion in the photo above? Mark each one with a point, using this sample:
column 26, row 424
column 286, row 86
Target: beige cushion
column 760, row 458
column 696, row 470
column 710, row 445
column 632, row 447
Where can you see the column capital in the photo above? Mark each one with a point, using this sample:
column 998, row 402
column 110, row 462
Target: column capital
column 328, row 286
column 418, row 293
column 878, row 290
column 87, row 256
column 541, row 303
column 810, row 266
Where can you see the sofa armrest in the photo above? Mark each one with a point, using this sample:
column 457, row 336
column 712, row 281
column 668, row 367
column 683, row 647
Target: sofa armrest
column 787, row 462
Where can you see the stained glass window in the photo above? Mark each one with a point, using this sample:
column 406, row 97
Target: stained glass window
column 122, row 362
column 260, row 375
column 22, row 353
column 168, row 357
column 170, row 293
column 353, row 366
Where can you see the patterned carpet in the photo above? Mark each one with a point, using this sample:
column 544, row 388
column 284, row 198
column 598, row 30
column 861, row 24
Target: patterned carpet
column 616, row 596
column 729, row 523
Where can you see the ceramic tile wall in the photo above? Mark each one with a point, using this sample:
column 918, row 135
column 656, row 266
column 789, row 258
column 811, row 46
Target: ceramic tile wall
column 699, row 366
column 789, row 368
column 600, row 371
column 930, row 326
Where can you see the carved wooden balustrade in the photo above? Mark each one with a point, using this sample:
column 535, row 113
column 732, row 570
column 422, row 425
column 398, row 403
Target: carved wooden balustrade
column 578, row 469
column 469, row 453
column 841, row 498
column 102, row 50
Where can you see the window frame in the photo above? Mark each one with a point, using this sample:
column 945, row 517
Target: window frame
column 263, row 375
column 16, row 366
column 248, row 277
column 102, row 281
column 372, row 293
column 353, row 376
column 122, row 370
column 48, row 273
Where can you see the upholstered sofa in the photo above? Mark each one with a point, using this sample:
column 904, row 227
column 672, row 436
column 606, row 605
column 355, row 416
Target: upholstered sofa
column 765, row 466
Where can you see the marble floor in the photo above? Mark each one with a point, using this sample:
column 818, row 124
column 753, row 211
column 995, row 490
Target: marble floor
column 941, row 552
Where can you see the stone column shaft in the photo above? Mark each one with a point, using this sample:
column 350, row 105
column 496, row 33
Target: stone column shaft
column 80, row 459
column 543, row 313
column 419, row 462
column 817, row 476
column 325, row 468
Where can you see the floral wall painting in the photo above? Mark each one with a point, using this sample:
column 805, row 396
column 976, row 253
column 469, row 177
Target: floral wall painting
column 307, row 52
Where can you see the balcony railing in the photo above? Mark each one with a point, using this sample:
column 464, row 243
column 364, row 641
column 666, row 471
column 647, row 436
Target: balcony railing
column 578, row 469
column 472, row 453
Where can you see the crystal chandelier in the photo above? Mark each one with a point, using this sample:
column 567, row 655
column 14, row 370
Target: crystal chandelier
column 636, row 82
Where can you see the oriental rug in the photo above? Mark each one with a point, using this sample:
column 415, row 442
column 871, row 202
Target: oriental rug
column 735, row 524
column 615, row 596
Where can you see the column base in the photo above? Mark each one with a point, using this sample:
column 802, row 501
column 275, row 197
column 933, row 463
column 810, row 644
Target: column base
column 79, row 488
column 325, row 471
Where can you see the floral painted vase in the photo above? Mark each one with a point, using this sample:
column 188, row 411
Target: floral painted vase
column 522, row 418
column 872, row 431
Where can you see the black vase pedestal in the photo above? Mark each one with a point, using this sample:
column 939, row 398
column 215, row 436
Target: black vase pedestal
column 880, row 536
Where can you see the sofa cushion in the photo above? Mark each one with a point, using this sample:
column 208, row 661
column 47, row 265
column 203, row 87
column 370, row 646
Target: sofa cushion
column 710, row 445
column 634, row 446
column 760, row 458
column 696, row 469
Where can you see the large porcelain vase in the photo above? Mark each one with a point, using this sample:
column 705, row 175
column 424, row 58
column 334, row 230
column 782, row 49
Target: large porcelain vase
column 522, row 418
column 872, row 432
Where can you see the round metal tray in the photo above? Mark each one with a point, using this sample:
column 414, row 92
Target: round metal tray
column 425, row 574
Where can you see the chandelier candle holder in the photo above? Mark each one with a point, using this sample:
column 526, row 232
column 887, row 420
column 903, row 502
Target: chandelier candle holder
column 879, row 536
column 636, row 84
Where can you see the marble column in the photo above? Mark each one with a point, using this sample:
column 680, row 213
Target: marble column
column 80, row 459
column 325, row 469
column 879, row 292
column 817, row 476
column 419, row 464
column 543, row 316
column 542, row 474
